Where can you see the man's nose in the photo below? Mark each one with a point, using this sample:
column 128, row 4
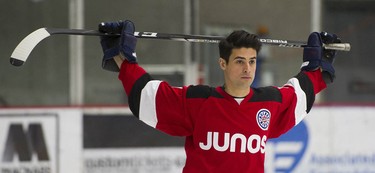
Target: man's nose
column 247, row 68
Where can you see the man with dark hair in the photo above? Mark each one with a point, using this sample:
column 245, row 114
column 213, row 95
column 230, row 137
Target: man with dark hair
column 238, row 39
column 226, row 127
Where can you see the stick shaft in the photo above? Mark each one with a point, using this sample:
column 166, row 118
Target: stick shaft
column 24, row 48
column 199, row 38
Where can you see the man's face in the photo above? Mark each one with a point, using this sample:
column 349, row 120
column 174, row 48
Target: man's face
column 239, row 72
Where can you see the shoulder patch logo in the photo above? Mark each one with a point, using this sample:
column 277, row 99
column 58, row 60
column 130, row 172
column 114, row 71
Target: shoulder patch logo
column 263, row 118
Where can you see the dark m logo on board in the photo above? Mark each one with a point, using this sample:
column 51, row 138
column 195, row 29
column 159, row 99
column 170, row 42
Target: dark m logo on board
column 25, row 143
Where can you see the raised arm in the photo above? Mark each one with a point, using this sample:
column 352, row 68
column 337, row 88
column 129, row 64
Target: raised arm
column 120, row 51
column 298, row 94
column 154, row 102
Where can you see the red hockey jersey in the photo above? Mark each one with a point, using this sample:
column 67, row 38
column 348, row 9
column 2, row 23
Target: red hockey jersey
column 222, row 135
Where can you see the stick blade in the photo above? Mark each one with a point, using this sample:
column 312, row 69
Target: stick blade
column 24, row 48
column 16, row 62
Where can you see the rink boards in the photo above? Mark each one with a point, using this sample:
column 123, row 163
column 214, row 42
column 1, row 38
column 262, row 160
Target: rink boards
column 76, row 140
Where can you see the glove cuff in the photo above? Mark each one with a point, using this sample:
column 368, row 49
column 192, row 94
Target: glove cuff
column 310, row 58
column 108, row 63
column 110, row 53
column 129, row 55
column 310, row 65
column 328, row 72
column 310, row 53
column 128, row 43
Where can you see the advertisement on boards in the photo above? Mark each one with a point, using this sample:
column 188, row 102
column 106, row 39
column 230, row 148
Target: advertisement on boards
column 329, row 140
column 28, row 143
column 40, row 140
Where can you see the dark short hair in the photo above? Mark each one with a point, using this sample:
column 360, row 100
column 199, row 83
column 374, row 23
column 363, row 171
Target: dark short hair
column 238, row 39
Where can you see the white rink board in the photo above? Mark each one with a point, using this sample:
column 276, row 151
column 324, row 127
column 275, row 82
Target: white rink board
column 59, row 128
column 137, row 160
column 340, row 140
column 18, row 129
column 329, row 140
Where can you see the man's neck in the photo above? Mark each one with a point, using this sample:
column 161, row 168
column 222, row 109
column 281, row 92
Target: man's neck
column 234, row 92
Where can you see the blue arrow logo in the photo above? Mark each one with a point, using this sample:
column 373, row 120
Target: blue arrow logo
column 289, row 148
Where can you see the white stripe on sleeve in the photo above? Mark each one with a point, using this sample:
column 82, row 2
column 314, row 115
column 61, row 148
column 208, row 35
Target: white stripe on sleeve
column 147, row 106
column 301, row 105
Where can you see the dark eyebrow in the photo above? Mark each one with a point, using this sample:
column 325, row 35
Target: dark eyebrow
column 240, row 57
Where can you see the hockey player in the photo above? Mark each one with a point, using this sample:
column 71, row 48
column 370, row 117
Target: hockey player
column 226, row 127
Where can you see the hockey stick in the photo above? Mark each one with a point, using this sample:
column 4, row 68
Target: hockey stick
column 24, row 48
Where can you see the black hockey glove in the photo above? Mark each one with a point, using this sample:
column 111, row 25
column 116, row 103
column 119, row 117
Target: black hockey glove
column 115, row 45
column 315, row 56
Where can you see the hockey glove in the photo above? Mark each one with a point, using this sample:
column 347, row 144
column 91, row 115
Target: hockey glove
column 329, row 56
column 115, row 45
column 315, row 56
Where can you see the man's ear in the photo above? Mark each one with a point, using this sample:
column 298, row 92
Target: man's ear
column 222, row 63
